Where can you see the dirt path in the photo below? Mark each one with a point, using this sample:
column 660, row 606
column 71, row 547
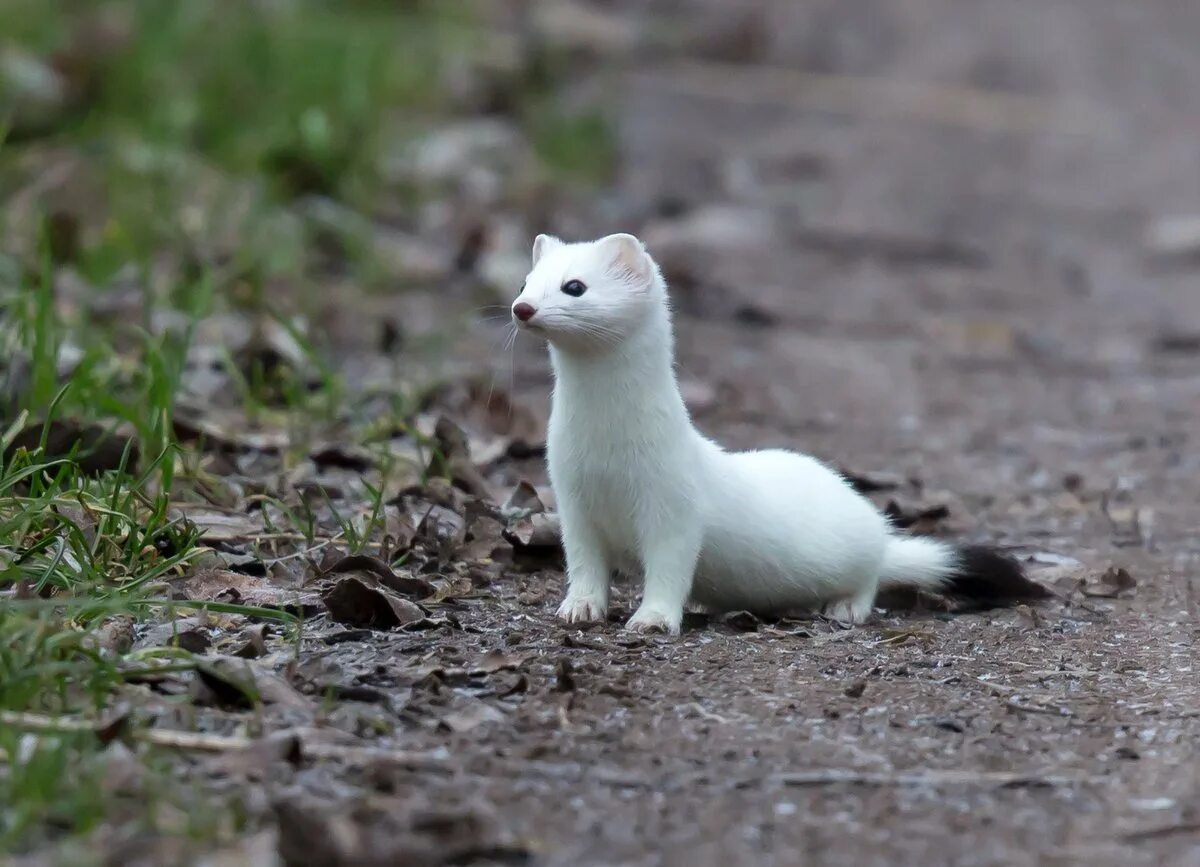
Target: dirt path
column 950, row 285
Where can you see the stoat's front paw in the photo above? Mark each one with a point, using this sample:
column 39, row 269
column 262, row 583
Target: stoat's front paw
column 650, row 620
column 583, row 609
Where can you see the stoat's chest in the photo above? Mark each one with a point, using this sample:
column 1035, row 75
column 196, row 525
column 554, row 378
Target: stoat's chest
column 624, row 478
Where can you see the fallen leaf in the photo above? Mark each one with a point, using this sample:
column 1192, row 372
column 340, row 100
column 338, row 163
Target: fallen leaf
column 564, row 676
column 452, row 459
column 116, row 635
column 441, row 531
column 741, row 621
column 361, row 601
column 236, row 683
column 191, row 640
column 408, row 585
column 497, row 660
column 1115, row 583
column 226, row 685
column 227, row 430
column 342, row 456
column 95, row 449
column 220, row 525
column 476, row 713
column 536, row 531
column 225, row 585
column 870, row 483
column 918, row 520
column 451, row 587
column 522, row 502
column 253, row 642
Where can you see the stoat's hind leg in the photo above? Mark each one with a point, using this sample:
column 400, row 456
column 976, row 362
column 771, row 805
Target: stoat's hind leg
column 855, row 609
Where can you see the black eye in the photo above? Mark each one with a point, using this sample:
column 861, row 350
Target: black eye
column 574, row 288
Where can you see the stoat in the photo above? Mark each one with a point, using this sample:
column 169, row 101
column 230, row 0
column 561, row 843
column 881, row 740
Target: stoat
column 639, row 489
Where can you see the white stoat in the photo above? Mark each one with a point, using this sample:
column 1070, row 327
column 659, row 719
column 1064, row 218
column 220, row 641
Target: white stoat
column 641, row 490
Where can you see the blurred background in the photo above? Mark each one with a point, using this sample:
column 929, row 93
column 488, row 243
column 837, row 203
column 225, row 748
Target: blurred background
column 836, row 189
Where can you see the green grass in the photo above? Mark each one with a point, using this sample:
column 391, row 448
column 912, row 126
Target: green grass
column 191, row 133
column 294, row 91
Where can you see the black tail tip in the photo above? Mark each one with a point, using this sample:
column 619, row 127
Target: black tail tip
column 991, row 579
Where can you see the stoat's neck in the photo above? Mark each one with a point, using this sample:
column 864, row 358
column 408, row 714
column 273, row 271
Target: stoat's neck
column 629, row 384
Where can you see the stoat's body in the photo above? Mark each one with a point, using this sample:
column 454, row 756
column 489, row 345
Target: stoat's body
column 641, row 490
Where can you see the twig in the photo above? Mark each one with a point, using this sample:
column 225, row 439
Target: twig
column 214, row 743
column 1001, row 779
column 1162, row 831
column 1009, row 694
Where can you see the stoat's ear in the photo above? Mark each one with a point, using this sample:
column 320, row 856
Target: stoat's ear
column 627, row 252
column 543, row 243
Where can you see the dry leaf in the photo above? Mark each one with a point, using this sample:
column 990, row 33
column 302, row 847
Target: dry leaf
column 220, row 525
column 1115, row 583
column 224, row 585
column 918, row 520
column 474, row 714
column 522, row 502
column 95, row 448
column 408, row 585
column 742, row 621
column 497, row 660
column 361, row 600
column 536, row 531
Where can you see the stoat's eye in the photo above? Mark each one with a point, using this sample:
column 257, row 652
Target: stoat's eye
column 574, row 288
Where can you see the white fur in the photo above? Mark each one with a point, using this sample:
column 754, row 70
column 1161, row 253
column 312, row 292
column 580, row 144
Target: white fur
column 639, row 489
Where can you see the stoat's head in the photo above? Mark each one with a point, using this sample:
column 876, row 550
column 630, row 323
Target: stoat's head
column 588, row 296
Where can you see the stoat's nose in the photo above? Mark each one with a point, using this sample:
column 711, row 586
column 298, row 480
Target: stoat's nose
column 524, row 311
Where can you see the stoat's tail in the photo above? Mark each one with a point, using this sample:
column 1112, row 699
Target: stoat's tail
column 973, row 573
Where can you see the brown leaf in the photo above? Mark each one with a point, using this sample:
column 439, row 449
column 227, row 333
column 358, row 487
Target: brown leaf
column 522, row 502
column 254, row 642
column 916, row 519
column 564, row 676
column 536, row 531
column 452, row 459
column 191, row 640
column 226, row 431
column 451, row 587
column 219, row 683
column 343, row 456
column 742, row 621
column 236, row 683
column 475, row 713
column 870, row 483
column 497, row 660
column 443, row 531
column 856, row 689
column 361, row 600
column 116, row 635
column 408, row 585
column 220, row 525
column 224, row 585
column 483, row 538
column 1115, row 583
column 96, row 449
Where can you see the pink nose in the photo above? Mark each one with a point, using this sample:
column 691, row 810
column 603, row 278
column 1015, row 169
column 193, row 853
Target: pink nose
column 524, row 311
